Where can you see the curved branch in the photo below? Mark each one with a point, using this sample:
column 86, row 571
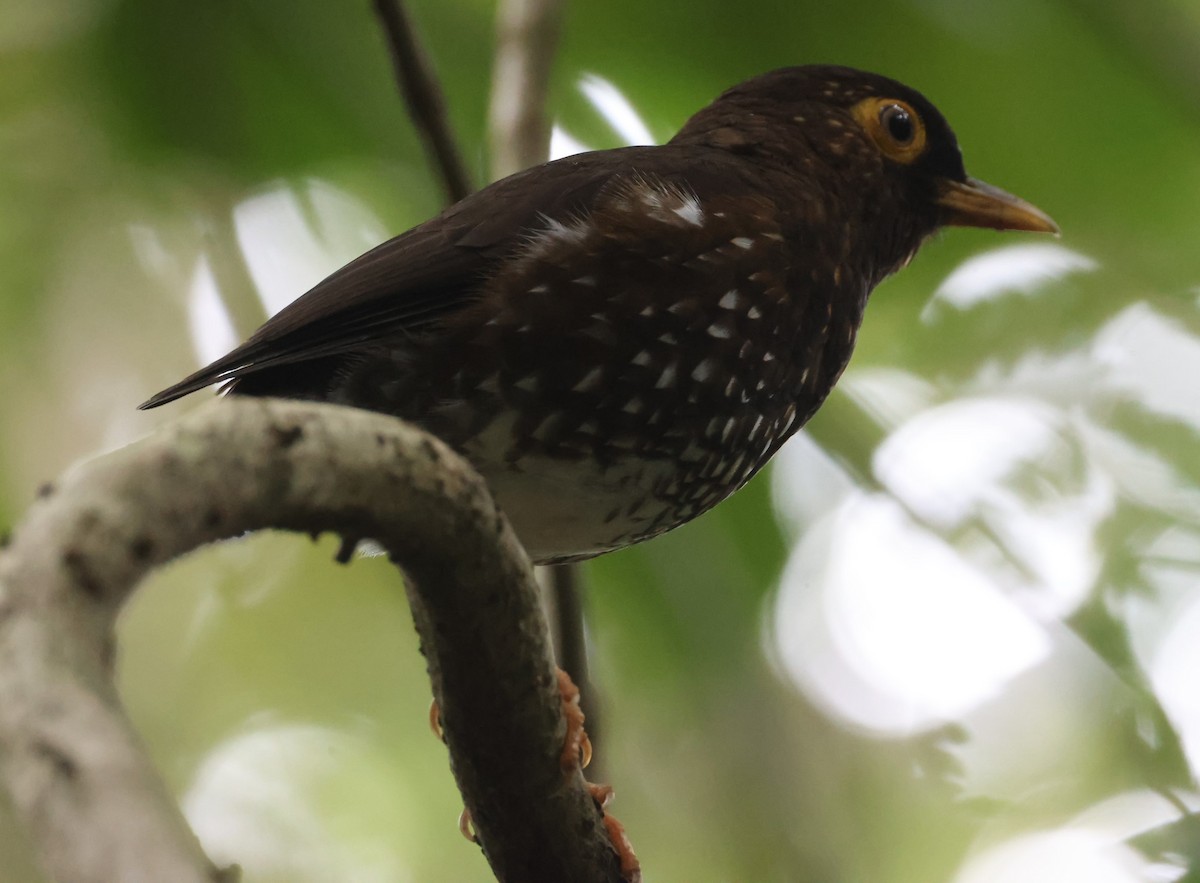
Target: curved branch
column 94, row 806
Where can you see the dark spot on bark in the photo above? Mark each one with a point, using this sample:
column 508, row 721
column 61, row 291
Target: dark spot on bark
column 63, row 765
column 286, row 437
column 429, row 449
column 77, row 565
column 380, row 439
column 141, row 548
column 45, row 489
column 108, row 654
column 231, row 874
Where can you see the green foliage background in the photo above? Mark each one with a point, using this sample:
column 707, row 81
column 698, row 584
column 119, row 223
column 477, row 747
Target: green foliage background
column 119, row 117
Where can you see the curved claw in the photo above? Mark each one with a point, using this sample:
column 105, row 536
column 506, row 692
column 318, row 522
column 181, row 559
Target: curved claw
column 466, row 827
column 435, row 721
column 577, row 747
column 631, row 868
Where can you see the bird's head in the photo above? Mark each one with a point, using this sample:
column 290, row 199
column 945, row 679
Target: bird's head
column 874, row 147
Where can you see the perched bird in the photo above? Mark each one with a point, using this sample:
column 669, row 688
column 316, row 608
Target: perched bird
column 619, row 340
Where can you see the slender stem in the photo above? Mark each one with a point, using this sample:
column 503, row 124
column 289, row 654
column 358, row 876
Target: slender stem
column 423, row 94
column 564, row 584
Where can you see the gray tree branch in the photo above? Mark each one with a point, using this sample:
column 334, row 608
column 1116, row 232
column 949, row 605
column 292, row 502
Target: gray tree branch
column 95, row 808
column 526, row 40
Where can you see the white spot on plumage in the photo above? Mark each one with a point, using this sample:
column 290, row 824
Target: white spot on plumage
column 667, row 378
column 691, row 212
column 693, row 453
column 668, row 338
column 634, row 406
column 768, row 356
column 731, row 387
column 730, row 300
column 590, row 381
column 647, row 311
column 754, row 313
column 774, row 237
column 642, row 358
column 677, row 307
column 539, row 289
column 571, row 234
column 719, row 330
column 727, row 432
column 650, row 196
column 743, row 242
column 585, row 280
column 529, row 383
column 704, row 371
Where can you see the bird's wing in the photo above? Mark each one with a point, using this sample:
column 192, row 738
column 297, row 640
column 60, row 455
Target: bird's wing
column 414, row 279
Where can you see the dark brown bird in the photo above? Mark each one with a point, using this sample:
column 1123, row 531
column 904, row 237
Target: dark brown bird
column 621, row 339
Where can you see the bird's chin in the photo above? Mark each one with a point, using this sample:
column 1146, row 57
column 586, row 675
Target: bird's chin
column 972, row 203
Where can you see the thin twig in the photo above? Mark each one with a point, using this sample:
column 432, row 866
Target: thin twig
column 96, row 809
column 526, row 40
column 423, row 94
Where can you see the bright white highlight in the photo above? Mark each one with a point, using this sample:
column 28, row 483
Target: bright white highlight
column 1153, row 360
column 256, row 800
column 1089, row 849
column 211, row 327
column 891, row 628
column 292, row 238
column 563, row 143
column 1014, row 268
column 616, row 109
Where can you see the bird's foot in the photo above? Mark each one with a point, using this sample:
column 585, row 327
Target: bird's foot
column 631, row 868
column 577, row 747
column 577, row 751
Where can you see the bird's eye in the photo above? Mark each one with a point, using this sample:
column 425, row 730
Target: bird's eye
column 894, row 126
column 898, row 122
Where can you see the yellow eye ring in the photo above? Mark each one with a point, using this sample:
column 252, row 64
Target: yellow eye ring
column 894, row 126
